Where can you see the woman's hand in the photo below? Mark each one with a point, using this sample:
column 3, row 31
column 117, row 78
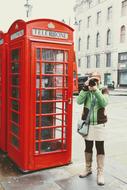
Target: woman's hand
column 92, row 88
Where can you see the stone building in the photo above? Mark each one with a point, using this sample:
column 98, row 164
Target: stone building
column 101, row 39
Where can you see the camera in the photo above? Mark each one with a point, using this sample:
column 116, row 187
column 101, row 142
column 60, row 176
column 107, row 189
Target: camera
column 92, row 82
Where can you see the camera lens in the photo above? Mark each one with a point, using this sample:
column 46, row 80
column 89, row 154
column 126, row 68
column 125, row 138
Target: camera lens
column 92, row 82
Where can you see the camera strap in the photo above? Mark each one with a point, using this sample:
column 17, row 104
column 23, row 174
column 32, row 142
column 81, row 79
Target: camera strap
column 90, row 110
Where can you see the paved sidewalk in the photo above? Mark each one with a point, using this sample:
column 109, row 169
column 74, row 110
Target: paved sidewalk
column 66, row 177
column 118, row 92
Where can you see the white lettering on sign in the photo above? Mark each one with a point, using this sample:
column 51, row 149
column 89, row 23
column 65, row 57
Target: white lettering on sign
column 17, row 34
column 48, row 33
column 1, row 41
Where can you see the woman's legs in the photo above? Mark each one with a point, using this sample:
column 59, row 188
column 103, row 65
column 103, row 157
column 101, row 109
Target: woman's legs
column 100, row 147
column 88, row 159
column 100, row 162
column 88, row 146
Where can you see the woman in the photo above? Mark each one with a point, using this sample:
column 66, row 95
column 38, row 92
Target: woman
column 93, row 90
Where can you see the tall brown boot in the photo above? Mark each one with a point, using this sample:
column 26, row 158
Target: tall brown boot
column 88, row 164
column 100, row 169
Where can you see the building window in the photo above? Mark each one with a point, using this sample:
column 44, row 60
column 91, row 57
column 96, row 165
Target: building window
column 79, row 62
column 109, row 37
column 122, row 57
column 79, row 44
column 109, row 16
column 98, row 40
column 107, row 79
column 108, row 60
column 88, row 61
column 122, row 34
column 124, row 8
column 79, row 25
column 97, row 60
column 98, row 17
column 88, row 42
column 88, row 21
column 89, row 3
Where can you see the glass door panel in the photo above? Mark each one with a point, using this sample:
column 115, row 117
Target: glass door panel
column 51, row 100
column 14, row 96
column 0, row 89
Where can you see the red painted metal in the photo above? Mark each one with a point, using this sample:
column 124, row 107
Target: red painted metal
column 75, row 77
column 3, row 91
column 41, row 56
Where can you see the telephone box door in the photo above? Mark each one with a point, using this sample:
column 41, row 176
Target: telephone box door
column 51, row 107
column 3, row 98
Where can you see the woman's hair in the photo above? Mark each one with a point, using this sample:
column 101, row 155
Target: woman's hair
column 95, row 75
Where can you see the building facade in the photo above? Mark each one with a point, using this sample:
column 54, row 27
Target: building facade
column 101, row 39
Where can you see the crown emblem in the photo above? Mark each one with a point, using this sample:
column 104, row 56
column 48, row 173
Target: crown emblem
column 16, row 26
column 51, row 25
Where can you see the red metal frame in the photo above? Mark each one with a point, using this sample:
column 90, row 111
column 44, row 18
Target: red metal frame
column 75, row 77
column 40, row 98
column 3, row 90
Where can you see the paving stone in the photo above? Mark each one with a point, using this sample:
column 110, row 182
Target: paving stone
column 31, row 186
column 89, row 183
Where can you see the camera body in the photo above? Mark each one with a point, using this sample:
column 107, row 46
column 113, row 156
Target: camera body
column 92, row 82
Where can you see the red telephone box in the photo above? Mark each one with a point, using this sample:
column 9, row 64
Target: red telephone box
column 40, row 93
column 3, row 91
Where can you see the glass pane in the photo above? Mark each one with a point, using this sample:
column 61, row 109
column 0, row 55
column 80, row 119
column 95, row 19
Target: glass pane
column 37, row 68
column 38, row 55
column 15, row 67
column 47, row 121
column 53, row 55
column 15, row 117
column 37, row 121
column 55, row 133
column 52, row 120
column 15, row 80
column 42, row 121
column 14, row 129
column 58, row 120
column 47, row 81
column 51, row 146
column 48, row 68
column 37, row 147
column 65, row 107
column 15, row 92
column 47, row 134
column 38, row 108
column 51, row 68
column 37, row 134
column 52, row 94
column 15, row 105
column 15, row 54
column 50, row 81
column 38, row 82
column 66, row 56
column 15, row 141
column 44, row 107
column 51, row 107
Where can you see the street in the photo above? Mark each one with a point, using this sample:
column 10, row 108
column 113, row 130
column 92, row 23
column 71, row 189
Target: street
column 66, row 177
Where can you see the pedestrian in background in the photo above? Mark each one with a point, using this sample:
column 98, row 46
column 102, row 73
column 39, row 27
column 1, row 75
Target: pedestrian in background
column 97, row 128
